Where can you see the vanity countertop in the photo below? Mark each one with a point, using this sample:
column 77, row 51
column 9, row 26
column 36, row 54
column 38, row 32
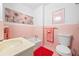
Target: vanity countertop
column 14, row 46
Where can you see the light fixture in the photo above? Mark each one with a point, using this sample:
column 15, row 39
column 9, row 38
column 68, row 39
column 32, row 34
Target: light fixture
column 57, row 18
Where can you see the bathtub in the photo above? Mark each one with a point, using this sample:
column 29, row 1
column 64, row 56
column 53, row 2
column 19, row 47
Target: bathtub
column 16, row 47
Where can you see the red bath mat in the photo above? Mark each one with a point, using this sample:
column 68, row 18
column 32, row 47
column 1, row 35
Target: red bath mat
column 42, row 51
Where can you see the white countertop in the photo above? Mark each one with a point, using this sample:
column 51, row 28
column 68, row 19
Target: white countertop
column 14, row 46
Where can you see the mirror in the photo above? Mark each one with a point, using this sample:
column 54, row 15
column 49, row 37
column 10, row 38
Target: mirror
column 58, row 16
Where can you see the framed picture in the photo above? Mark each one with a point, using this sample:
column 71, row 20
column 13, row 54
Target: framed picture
column 59, row 16
column 17, row 17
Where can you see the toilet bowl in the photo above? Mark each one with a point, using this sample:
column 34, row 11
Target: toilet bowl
column 63, row 50
column 64, row 41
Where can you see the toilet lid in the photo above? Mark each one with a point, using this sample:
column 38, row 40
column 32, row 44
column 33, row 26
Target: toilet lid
column 63, row 50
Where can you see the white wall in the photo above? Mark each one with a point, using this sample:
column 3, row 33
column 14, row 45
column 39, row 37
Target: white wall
column 0, row 12
column 19, row 7
column 1, row 23
column 37, row 12
column 38, row 16
column 44, row 12
column 71, row 12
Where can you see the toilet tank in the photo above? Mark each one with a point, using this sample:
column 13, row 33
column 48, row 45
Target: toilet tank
column 64, row 39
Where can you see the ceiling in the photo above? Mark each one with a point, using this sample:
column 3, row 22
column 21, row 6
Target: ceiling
column 30, row 5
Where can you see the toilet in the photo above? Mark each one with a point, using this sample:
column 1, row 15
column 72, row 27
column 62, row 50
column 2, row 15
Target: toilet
column 64, row 41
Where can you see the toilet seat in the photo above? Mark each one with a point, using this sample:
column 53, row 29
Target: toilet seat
column 63, row 50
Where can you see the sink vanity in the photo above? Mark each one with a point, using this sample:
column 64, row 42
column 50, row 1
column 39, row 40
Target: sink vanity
column 16, row 47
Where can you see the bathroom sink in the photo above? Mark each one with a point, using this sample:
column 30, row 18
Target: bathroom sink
column 8, row 45
column 14, row 46
column 12, row 43
column 2, row 47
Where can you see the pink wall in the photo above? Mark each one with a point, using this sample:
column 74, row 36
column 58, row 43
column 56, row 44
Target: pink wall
column 21, row 30
column 49, row 45
column 69, row 29
column 74, row 30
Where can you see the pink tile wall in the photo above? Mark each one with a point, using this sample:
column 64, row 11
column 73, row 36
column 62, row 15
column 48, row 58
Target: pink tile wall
column 69, row 29
column 74, row 30
column 38, row 30
column 49, row 45
column 21, row 30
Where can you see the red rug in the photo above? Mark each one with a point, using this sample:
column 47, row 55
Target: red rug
column 42, row 51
